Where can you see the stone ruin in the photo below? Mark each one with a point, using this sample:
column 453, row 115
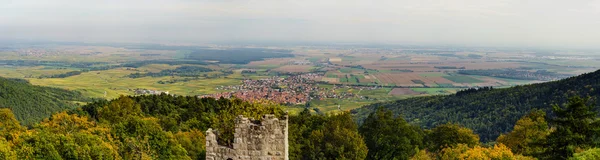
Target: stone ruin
column 264, row 140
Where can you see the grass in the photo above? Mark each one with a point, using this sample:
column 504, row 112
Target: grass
column 511, row 82
column 345, row 70
column 352, row 79
column 436, row 91
column 462, row 79
column 22, row 72
column 266, row 66
column 331, row 105
column 344, row 79
column 433, row 74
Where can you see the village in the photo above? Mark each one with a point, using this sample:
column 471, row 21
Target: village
column 297, row 89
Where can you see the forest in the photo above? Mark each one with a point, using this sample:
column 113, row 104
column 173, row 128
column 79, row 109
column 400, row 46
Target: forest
column 553, row 120
column 172, row 127
column 62, row 75
column 516, row 74
column 489, row 112
column 31, row 104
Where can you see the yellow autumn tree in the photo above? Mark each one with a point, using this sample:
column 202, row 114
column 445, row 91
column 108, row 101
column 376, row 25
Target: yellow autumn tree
column 422, row 155
column 527, row 134
column 10, row 128
column 497, row 152
column 194, row 143
column 65, row 124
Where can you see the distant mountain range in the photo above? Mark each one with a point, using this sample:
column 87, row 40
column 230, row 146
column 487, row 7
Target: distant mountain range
column 487, row 111
column 31, row 104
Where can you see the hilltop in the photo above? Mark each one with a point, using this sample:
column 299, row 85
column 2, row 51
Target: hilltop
column 32, row 103
column 489, row 112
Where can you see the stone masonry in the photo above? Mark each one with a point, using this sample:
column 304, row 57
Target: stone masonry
column 264, row 140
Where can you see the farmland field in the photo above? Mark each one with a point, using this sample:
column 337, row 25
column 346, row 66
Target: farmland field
column 403, row 91
column 462, row 79
column 366, row 74
column 435, row 91
column 294, row 68
column 114, row 82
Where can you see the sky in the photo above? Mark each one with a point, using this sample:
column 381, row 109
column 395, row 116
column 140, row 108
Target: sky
column 527, row 23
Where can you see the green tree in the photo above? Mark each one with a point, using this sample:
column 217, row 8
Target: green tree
column 119, row 110
column 450, row 135
column 528, row 134
column 336, row 138
column 390, row 138
column 577, row 128
column 593, row 153
column 301, row 127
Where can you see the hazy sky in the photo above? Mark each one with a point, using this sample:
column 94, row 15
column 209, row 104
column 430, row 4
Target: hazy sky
column 567, row 23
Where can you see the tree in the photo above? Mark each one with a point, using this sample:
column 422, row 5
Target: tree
column 593, row 153
column 6, row 151
column 119, row 110
column 194, row 143
column 336, row 138
column 64, row 123
column 422, row 155
column 527, row 135
column 9, row 126
column 390, row 138
column 577, row 128
column 463, row 152
column 450, row 135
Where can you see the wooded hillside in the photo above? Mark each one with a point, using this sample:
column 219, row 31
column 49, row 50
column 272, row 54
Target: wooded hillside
column 31, row 104
column 489, row 112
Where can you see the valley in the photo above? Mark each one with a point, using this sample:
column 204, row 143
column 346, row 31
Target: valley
column 342, row 78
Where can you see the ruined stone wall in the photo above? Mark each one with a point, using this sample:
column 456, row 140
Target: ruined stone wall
column 267, row 140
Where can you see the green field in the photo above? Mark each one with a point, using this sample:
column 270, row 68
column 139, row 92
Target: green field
column 433, row 74
column 331, row 105
column 462, row 79
column 436, row 91
column 23, row 72
column 352, row 79
column 345, row 70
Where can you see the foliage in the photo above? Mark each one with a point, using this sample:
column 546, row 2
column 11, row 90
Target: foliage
column 143, row 127
column 422, row 155
column 390, row 138
column 193, row 142
column 577, row 128
column 325, row 137
column 488, row 113
column 31, row 104
column 527, row 135
column 516, row 74
column 463, row 152
column 450, row 135
column 63, row 75
column 182, row 113
column 593, row 153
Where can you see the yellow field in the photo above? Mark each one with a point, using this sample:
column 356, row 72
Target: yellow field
column 22, row 72
column 115, row 83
